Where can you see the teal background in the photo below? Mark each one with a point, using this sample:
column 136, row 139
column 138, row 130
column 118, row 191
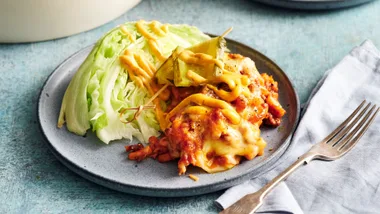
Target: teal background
column 304, row 43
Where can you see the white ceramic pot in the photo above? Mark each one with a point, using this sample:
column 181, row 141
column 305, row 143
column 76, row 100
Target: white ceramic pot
column 37, row 20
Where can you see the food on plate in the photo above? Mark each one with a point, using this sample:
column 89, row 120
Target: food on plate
column 178, row 90
column 102, row 88
column 193, row 177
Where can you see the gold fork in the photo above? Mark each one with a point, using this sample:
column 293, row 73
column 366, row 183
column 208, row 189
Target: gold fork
column 334, row 146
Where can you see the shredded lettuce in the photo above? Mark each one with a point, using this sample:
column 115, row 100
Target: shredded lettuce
column 101, row 88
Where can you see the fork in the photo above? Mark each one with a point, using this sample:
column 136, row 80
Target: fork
column 334, row 146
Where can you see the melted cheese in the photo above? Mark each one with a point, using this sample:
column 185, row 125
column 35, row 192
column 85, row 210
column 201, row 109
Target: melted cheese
column 156, row 49
column 225, row 144
column 126, row 32
column 203, row 100
column 195, row 77
column 197, row 110
column 237, row 83
column 239, row 135
column 152, row 41
column 140, row 25
column 165, row 28
column 155, row 26
column 142, row 73
column 199, row 59
column 246, row 143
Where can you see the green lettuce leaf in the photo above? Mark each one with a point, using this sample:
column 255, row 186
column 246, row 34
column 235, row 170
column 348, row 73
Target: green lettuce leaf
column 101, row 88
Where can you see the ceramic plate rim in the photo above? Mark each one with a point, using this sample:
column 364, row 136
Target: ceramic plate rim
column 315, row 4
column 175, row 192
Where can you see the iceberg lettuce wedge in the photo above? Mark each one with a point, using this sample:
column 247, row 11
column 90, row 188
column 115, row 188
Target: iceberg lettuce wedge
column 101, row 88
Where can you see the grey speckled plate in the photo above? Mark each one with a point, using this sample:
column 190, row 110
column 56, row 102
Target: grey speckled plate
column 314, row 4
column 108, row 165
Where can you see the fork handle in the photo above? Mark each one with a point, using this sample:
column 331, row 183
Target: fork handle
column 251, row 202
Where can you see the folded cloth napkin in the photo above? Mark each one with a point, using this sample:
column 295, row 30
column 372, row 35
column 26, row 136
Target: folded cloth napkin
column 350, row 184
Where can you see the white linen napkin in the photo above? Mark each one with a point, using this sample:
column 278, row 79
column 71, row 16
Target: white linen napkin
column 350, row 184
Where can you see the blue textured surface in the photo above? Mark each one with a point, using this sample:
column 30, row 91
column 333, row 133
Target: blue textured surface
column 304, row 44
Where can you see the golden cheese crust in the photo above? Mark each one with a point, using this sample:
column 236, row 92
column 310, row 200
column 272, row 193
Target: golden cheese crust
column 216, row 124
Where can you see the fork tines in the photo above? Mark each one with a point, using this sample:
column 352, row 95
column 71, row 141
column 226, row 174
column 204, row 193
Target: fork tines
column 350, row 131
